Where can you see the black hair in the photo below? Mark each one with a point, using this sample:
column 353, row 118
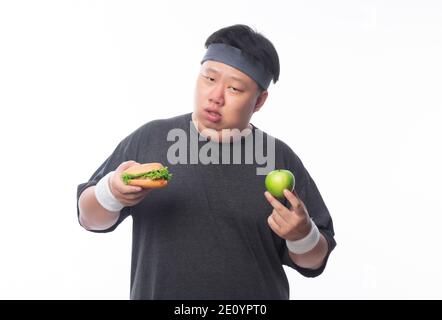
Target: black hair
column 253, row 44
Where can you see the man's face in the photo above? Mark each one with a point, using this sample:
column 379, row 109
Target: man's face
column 225, row 98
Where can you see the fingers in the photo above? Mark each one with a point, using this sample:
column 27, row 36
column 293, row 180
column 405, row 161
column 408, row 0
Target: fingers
column 280, row 209
column 294, row 200
column 139, row 195
column 133, row 199
column 274, row 202
column 273, row 225
column 126, row 194
column 126, row 189
column 279, row 219
column 120, row 190
column 118, row 184
column 135, row 196
column 125, row 165
column 288, row 224
column 298, row 206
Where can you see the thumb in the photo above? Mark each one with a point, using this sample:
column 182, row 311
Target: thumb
column 125, row 165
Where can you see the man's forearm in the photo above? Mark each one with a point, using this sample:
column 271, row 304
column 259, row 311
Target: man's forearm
column 92, row 215
column 314, row 258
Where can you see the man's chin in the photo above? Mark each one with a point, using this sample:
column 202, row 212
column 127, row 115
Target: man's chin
column 224, row 134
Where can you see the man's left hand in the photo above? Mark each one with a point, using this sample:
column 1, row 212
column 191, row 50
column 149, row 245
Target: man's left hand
column 290, row 224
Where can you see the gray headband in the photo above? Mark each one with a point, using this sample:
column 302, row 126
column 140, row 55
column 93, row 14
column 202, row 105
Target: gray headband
column 233, row 57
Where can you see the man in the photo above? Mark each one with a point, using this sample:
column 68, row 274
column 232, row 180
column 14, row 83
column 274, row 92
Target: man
column 213, row 232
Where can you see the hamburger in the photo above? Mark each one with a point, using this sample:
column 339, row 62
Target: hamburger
column 147, row 175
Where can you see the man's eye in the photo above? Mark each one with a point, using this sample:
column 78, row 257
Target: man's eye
column 234, row 89
column 209, row 78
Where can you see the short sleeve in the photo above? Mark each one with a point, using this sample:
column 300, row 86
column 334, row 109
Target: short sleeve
column 317, row 209
column 126, row 150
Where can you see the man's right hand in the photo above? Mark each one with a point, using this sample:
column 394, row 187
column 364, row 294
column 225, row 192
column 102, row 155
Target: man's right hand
column 127, row 195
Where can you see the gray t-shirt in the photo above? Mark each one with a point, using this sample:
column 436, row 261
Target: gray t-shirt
column 205, row 236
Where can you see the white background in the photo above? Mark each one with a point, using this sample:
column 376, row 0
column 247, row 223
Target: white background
column 359, row 100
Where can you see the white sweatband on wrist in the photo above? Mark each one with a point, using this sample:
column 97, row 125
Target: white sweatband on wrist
column 307, row 243
column 104, row 195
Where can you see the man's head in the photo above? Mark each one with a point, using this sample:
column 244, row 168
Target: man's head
column 235, row 73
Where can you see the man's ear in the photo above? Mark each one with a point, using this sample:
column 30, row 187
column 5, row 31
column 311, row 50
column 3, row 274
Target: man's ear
column 260, row 101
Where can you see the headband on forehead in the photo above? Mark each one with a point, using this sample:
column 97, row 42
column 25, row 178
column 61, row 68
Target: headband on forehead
column 233, row 57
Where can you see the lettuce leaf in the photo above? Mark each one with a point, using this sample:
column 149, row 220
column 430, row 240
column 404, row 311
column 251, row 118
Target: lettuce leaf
column 162, row 173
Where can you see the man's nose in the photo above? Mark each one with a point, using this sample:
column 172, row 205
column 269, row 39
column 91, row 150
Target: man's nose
column 216, row 96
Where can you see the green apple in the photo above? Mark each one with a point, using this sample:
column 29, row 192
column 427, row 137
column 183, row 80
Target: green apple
column 278, row 180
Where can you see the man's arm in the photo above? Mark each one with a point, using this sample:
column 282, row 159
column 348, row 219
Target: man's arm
column 93, row 216
column 294, row 224
column 314, row 258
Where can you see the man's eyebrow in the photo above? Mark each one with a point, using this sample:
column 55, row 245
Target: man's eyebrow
column 217, row 72
column 211, row 70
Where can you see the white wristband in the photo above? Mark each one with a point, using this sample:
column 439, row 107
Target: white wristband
column 104, row 195
column 307, row 243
